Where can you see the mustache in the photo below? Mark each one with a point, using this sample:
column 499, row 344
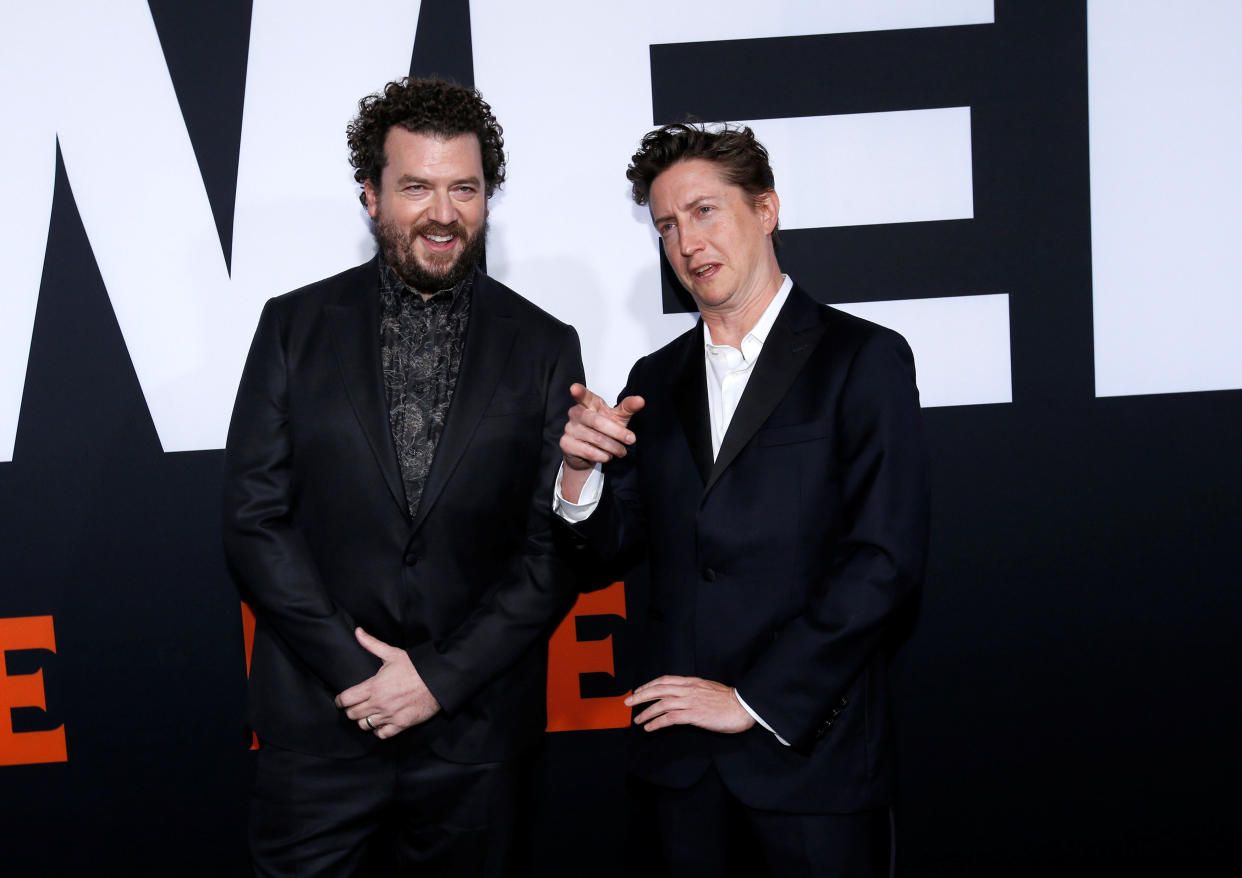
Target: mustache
column 431, row 227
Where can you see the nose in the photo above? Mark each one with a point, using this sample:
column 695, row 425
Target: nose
column 442, row 209
column 689, row 241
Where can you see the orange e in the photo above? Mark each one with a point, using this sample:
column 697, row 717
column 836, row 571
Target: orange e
column 569, row 658
column 248, row 640
column 26, row 690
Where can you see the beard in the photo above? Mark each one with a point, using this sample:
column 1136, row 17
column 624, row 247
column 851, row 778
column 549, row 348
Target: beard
column 440, row 271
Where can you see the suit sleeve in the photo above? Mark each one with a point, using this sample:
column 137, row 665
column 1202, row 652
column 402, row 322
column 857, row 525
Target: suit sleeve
column 522, row 609
column 607, row 543
column 266, row 552
column 878, row 561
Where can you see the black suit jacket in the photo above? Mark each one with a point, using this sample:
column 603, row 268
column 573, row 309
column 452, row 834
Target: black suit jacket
column 319, row 539
column 780, row 567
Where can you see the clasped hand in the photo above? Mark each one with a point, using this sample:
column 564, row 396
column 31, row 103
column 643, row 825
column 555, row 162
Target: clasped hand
column 394, row 698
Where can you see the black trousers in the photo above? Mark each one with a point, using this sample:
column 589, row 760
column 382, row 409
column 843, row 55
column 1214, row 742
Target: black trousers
column 401, row 811
column 705, row 831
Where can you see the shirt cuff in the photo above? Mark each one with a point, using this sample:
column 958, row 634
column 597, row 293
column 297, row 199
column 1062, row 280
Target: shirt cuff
column 588, row 499
column 757, row 718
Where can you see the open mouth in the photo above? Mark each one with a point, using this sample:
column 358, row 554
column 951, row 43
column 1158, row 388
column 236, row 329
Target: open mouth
column 439, row 243
column 706, row 271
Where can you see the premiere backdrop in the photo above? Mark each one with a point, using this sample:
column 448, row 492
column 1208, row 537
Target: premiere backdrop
column 1042, row 196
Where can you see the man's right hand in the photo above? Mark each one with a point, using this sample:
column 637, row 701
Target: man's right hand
column 595, row 433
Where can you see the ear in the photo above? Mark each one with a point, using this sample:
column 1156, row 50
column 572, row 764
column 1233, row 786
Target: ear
column 372, row 199
column 768, row 206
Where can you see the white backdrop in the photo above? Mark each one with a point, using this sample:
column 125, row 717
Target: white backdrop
column 570, row 82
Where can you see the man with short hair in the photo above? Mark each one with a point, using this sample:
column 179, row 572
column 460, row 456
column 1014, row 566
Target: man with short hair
column 388, row 516
column 770, row 464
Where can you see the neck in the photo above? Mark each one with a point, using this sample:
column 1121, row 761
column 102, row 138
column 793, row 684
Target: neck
column 729, row 325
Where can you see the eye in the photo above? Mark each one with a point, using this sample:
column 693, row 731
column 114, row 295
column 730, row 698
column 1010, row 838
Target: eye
column 664, row 228
column 705, row 209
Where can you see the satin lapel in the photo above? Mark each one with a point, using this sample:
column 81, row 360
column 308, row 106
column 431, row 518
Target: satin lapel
column 796, row 331
column 355, row 332
column 489, row 337
column 690, row 398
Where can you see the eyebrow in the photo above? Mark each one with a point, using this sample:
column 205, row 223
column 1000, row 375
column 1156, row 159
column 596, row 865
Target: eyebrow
column 693, row 204
column 412, row 178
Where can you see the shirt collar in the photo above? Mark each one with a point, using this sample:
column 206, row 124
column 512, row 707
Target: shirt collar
column 752, row 343
column 393, row 287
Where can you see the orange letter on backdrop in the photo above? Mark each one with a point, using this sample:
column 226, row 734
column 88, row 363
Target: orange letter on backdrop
column 26, row 690
column 248, row 639
column 568, row 657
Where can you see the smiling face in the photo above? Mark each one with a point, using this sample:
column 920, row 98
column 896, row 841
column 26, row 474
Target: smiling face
column 716, row 237
column 430, row 210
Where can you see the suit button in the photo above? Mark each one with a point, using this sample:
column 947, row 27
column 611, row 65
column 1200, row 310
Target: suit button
column 709, row 574
column 410, row 559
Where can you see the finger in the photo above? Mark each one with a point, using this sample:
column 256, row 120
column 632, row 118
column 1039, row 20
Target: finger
column 671, row 712
column 657, row 709
column 668, row 719
column 598, row 430
column 361, row 710
column 667, row 678
column 605, row 422
column 352, row 696
column 589, row 435
column 576, row 449
column 373, row 645
column 653, row 706
column 652, row 693
column 586, row 398
column 629, row 407
column 573, row 451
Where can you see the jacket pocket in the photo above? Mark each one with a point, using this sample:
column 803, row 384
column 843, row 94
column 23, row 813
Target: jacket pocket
column 792, row 433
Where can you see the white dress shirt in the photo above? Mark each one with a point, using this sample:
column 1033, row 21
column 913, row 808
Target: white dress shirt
column 728, row 371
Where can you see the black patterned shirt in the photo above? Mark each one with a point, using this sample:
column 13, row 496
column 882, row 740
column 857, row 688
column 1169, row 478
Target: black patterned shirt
column 421, row 345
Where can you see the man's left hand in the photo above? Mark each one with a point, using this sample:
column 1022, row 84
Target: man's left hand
column 392, row 700
column 690, row 701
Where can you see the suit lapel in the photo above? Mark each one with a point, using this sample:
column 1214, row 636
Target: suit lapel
column 690, row 399
column 489, row 337
column 794, row 335
column 355, row 334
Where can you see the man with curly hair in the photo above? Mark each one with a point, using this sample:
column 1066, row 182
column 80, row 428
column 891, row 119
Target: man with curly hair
column 388, row 492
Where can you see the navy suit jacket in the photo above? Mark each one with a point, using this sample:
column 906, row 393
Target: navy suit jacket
column 319, row 538
column 780, row 567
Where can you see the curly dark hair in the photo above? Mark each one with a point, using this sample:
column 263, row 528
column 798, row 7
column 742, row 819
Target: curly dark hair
column 741, row 158
column 423, row 106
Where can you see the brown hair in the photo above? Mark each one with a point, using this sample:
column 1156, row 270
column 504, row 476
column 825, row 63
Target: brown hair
column 423, row 106
column 742, row 159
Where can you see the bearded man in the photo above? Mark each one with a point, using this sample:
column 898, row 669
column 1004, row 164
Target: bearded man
column 388, row 498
